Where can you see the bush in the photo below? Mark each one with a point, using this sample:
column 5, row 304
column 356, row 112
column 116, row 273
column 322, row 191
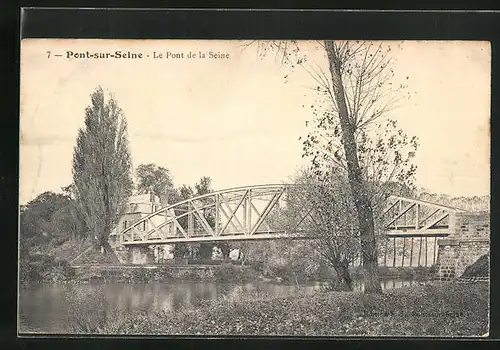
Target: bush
column 227, row 272
column 60, row 271
column 29, row 273
column 43, row 268
column 88, row 311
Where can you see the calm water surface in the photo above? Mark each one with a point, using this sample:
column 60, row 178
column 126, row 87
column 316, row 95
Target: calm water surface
column 48, row 307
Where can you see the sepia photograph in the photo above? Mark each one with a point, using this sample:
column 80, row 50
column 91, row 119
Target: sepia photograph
column 254, row 188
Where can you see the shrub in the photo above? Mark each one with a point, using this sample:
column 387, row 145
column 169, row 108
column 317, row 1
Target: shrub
column 227, row 273
column 41, row 267
column 60, row 271
column 29, row 273
column 90, row 312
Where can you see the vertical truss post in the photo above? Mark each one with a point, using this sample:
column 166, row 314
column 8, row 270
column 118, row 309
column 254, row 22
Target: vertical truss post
column 419, row 251
column 426, row 252
column 394, row 253
column 403, row 257
column 400, row 210
column 417, row 217
column 217, row 215
column 249, row 214
column 190, row 230
column 434, row 252
column 385, row 251
column 245, row 206
column 411, row 250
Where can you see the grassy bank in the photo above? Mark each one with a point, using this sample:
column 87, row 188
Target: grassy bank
column 448, row 309
column 45, row 269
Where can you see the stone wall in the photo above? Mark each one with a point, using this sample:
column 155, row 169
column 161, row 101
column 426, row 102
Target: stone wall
column 468, row 243
column 157, row 273
column 141, row 255
column 123, row 254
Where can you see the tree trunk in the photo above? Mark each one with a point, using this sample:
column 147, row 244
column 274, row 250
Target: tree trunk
column 111, row 253
column 362, row 202
column 343, row 276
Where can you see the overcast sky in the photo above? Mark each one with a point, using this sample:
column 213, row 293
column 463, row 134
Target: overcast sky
column 235, row 119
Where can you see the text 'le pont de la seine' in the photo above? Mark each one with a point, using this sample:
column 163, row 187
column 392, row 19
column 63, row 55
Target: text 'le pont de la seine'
column 135, row 55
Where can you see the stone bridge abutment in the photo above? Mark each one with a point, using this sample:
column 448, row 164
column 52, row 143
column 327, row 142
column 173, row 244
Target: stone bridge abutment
column 469, row 241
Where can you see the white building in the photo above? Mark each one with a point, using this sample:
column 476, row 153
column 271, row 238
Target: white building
column 138, row 207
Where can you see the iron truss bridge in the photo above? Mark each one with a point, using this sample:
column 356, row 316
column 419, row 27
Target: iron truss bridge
column 252, row 213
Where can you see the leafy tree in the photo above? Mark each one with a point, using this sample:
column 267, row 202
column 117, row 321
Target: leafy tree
column 36, row 218
column 49, row 218
column 36, row 225
column 185, row 192
column 102, row 167
column 204, row 186
column 156, row 179
column 69, row 221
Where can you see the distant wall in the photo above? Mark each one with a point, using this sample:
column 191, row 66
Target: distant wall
column 470, row 241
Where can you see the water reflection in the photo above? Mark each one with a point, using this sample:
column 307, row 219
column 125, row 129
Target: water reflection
column 47, row 308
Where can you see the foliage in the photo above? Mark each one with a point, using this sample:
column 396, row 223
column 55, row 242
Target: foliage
column 293, row 261
column 185, row 192
column 155, row 179
column 90, row 312
column 321, row 208
column 473, row 203
column 102, row 166
column 44, row 268
column 227, row 272
column 36, row 217
column 49, row 219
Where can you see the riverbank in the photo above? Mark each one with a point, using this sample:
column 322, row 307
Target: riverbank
column 50, row 271
column 437, row 309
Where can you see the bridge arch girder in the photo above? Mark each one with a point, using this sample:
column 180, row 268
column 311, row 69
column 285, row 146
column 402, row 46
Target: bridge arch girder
column 243, row 213
column 237, row 213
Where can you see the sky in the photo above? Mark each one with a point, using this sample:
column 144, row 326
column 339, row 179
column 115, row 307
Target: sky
column 237, row 119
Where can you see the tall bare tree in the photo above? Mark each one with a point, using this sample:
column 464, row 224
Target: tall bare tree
column 102, row 167
column 356, row 93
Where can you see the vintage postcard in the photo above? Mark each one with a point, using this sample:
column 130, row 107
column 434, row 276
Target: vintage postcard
column 254, row 188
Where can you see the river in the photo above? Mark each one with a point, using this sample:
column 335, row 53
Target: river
column 48, row 308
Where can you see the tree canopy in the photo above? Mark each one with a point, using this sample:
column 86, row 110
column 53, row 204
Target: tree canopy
column 154, row 178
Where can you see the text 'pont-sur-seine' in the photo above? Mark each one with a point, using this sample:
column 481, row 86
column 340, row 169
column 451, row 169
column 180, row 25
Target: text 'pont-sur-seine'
column 134, row 55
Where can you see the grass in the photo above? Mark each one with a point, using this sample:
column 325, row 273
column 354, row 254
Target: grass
column 443, row 310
